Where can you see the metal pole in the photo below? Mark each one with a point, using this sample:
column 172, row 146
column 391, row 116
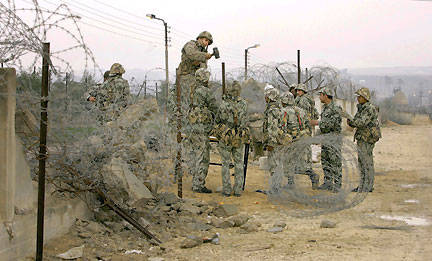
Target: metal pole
column 298, row 67
column 66, row 85
column 307, row 77
column 178, row 170
column 246, row 53
column 156, row 92
column 145, row 88
column 42, row 153
column 223, row 78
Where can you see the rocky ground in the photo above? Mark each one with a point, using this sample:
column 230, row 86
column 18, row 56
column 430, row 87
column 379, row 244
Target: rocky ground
column 392, row 223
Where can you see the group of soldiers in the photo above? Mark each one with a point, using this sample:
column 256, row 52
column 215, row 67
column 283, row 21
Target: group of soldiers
column 288, row 117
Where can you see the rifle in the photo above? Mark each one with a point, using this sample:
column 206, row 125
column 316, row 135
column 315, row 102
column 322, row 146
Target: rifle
column 245, row 162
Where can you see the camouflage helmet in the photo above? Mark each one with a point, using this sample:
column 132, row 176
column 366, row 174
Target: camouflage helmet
column 292, row 86
column 117, row 68
column 327, row 91
column 364, row 92
column 287, row 98
column 272, row 94
column 202, row 75
column 207, row 35
column 301, row 86
column 233, row 89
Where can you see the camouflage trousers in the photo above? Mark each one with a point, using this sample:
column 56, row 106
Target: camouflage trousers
column 366, row 165
column 331, row 161
column 236, row 154
column 198, row 159
column 188, row 84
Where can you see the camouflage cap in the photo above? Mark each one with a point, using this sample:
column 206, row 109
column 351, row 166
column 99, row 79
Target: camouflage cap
column 272, row 94
column 234, row 89
column 207, row 35
column 301, row 86
column 117, row 68
column 364, row 92
column 327, row 91
column 287, row 98
column 202, row 75
column 292, row 86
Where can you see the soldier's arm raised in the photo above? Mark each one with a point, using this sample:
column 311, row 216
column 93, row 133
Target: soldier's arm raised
column 194, row 54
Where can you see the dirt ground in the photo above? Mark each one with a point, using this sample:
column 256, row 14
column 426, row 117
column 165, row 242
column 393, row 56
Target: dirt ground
column 392, row 223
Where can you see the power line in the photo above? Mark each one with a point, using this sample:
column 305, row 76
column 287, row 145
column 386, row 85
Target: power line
column 116, row 21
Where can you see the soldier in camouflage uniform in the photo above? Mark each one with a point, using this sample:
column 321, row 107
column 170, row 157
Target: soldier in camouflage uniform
column 272, row 127
column 201, row 116
column 331, row 156
column 91, row 95
column 232, row 132
column 295, row 124
column 367, row 134
column 308, row 105
column 194, row 56
column 113, row 95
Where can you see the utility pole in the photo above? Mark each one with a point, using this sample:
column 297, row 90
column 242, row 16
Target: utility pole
column 246, row 58
column 152, row 16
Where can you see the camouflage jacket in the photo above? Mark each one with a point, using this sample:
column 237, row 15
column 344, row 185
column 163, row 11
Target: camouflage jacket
column 232, row 127
column 115, row 92
column 272, row 125
column 366, row 122
column 303, row 122
column 94, row 92
column 331, row 118
column 202, row 111
column 308, row 104
column 290, row 123
column 192, row 58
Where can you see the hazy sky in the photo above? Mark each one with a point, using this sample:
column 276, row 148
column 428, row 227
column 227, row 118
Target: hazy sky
column 342, row 33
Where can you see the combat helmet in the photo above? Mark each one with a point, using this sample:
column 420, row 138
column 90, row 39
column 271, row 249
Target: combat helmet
column 202, row 75
column 287, row 98
column 233, row 89
column 364, row 92
column 272, row 94
column 117, row 68
column 301, row 86
column 207, row 35
column 327, row 91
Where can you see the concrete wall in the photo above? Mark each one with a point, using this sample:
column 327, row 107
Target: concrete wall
column 7, row 143
column 18, row 193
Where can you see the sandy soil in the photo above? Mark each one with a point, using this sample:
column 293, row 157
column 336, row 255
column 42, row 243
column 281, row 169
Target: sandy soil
column 403, row 190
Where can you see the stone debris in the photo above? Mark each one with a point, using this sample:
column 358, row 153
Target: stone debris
column 74, row 253
column 275, row 229
column 327, row 224
column 240, row 219
column 280, row 224
column 191, row 241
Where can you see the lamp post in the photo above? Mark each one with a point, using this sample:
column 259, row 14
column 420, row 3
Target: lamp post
column 246, row 58
column 152, row 16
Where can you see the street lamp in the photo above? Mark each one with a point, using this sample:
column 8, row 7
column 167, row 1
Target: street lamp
column 246, row 55
column 152, row 16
